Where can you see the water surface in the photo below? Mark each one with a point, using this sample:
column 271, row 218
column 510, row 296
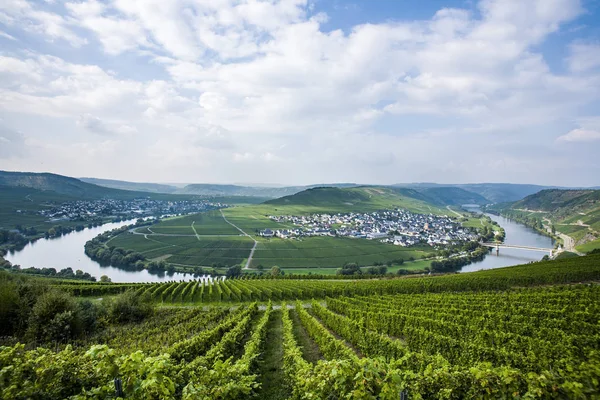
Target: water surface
column 68, row 251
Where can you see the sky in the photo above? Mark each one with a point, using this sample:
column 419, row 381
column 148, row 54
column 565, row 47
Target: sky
column 302, row 91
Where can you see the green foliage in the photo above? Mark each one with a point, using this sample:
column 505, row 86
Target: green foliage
column 55, row 317
column 129, row 307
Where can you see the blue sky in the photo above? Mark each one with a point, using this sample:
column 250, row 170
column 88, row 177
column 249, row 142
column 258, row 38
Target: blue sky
column 301, row 91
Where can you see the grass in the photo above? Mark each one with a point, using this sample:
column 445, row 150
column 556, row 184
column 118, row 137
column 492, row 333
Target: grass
column 589, row 246
column 272, row 378
column 577, row 232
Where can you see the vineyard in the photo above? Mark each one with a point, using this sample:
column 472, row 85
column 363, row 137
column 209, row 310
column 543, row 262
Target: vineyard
column 531, row 331
column 244, row 290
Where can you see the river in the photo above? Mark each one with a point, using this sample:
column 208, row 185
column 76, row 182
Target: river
column 68, row 251
column 516, row 234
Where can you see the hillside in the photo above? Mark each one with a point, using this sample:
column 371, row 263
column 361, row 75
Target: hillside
column 363, row 198
column 452, row 196
column 492, row 192
column 575, row 213
column 135, row 186
column 61, row 185
column 561, row 202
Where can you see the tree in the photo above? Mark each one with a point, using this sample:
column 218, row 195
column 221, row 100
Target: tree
column 275, row 271
column 260, row 267
column 234, row 271
column 105, row 278
column 55, row 317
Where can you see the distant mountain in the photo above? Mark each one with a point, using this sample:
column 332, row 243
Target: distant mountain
column 136, row 186
column 359, row 199
column 452, row 196
column 492, row 192
column 206, row 189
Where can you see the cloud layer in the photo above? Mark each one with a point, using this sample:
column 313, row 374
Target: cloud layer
column 234, row 91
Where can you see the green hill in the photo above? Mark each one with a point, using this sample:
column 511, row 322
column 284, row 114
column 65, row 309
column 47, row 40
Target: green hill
column 61, row 185
column 363, row 198
column 561, row 202
column 575, row 213
column 492, row 192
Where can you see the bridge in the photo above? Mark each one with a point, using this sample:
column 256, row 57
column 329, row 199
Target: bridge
column 499, row 246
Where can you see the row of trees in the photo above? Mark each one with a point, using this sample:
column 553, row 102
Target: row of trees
column 65, row 273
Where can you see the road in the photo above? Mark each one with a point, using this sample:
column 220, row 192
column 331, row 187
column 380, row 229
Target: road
column 568, row 241
column 247, row 266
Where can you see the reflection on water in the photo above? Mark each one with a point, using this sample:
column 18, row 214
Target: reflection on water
column 517, row 234
column 68, row 251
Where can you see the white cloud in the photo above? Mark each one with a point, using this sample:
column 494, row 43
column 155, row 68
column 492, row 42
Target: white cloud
column 580, row 135
column 50, row 26
column 256, row 82
column 584, row 57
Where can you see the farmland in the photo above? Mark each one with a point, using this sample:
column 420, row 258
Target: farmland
column 206, row 239
column 214, row 238
column 527, row 331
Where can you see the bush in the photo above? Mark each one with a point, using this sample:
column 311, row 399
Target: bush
column 129, row 307
column 55, row 318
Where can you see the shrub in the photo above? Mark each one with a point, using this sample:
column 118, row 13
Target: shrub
column 129, row 307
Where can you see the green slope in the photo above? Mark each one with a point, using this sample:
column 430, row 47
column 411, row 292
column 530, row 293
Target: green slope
column 364, row 198
column 62, row 185
column 575, row 213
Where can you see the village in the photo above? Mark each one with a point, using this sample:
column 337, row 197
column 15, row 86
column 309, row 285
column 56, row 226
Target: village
column 83, row 210
column 398, row 227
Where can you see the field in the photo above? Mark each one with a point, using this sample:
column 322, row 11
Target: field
column 521, row 332
column 329, row 252
column 206, row 238
column 208, row 223
column 188, row 250
column 585, row 248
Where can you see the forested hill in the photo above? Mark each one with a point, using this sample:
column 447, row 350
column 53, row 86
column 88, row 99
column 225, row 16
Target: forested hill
column 61, row 185
column 575, row 213
column 561, row 201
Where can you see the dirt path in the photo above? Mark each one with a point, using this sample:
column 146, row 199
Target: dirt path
column 249, row 260
column 310, row 350
column 272, row 378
